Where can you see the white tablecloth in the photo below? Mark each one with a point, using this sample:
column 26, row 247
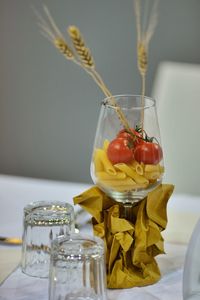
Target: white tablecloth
column 16, row 192
column 19, row 286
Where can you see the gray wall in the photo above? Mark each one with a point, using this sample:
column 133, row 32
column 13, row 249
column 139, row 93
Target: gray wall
column 48, row 106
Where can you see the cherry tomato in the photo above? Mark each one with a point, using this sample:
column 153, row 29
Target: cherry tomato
column 120, row 150
column 124, row 134
column 148, row 153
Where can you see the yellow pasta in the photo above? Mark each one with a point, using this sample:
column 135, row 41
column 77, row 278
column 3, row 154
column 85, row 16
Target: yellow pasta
column 152, row 168
column 124, row 177
column 105, row 145
column 152, row 175
column 113, row 183
column 105, row 176
column 97, row 163
column 162, row 169
column 153, row 172
column 131, row 173
column 139, row 168
column 126, row 188
column 133, row 164
column 102, row 157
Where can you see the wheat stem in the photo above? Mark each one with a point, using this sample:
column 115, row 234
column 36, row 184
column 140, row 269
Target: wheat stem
column 108, row 94
column 102, row 83
column 98, row 82
column 143, row 39
column 142, row 100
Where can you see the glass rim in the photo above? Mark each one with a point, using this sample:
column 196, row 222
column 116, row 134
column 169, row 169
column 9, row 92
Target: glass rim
column 30, row 207
column 152, row 104
column 76, row 246
column 68, row 238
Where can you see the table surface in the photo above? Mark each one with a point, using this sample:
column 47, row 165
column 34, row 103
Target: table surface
column 16, row 192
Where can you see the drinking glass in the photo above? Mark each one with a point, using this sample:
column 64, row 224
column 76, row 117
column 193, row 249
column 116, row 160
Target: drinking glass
column 43, row 221
column 77, row 268
column 191, row 270
column 127, row 163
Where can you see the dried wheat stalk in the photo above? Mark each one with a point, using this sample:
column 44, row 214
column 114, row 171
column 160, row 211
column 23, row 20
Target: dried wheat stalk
column 144, row 35
column 81, row 56
column 85, row 57
column 88, row 62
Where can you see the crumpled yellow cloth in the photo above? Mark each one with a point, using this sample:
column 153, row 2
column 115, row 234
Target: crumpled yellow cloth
column 131, row 247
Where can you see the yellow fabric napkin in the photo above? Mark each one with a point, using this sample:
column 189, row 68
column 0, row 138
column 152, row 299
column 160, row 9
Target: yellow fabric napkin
column 130, row 246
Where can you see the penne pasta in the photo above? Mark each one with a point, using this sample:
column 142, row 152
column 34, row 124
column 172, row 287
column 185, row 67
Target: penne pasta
column 133, row 164
column 105, row 145
column 153, row 172
column 139, row 169
column 113, row 183
column 162, row 169
column 131, row 173
column 98, row 166
column 152, row 168
column 141, row 185
column 126, row 188
column 105, row 176
column 152, row 175
column 102, row 156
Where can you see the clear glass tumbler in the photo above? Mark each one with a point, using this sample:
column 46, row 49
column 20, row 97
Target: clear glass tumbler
column 43, row 221
column 77, row 269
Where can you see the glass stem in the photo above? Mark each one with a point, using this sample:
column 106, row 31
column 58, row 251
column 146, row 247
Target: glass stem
column 128, row 211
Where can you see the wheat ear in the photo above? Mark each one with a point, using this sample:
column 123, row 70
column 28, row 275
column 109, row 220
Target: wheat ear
column 87, row 61
column 81, row 49
column 50, row 31
column 82, row 55
column 144, row 36
column 85, row 56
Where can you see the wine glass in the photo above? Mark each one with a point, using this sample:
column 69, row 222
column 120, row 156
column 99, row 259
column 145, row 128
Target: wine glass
column 127, row 163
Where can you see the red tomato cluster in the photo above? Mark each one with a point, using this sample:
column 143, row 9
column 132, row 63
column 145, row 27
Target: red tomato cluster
column 129, row 146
